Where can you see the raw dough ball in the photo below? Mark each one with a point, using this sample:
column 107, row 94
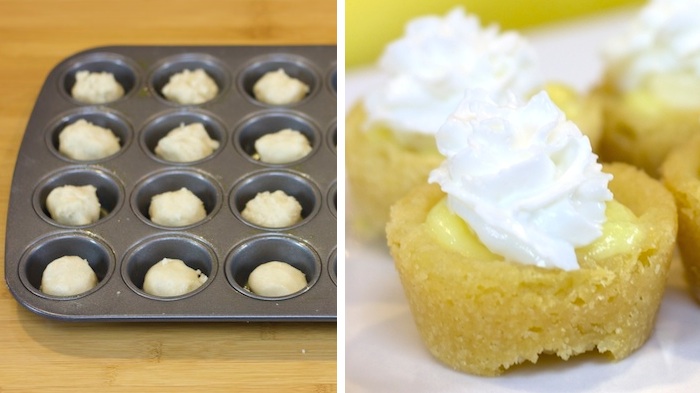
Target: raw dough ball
column 68, row 276
column 176, row 208
column 186, row 143
column 171, row 277
column 282, row 147
column 74, row 205
column 190, row 87
column 278, row 88
column 96, row 87
column 276, row 279
column 272, row 210
column 85, row 141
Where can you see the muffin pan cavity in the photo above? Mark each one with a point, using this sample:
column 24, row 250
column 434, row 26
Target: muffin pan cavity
column 333, row 266
column 122, row 242
column 297, row 67
column 291, row 183
column 123, row 68
column 194, row 253
column 163, row 123
column 333, row 79
column 164, row 70
column 199, row 183
column 332, row 199
column 254, row 252
column 82, row 244
column 110, row 192
column 268, row 122
column 99, row 116
column 333, row 137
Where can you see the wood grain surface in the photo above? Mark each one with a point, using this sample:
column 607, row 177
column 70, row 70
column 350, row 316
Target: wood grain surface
column 39, row 354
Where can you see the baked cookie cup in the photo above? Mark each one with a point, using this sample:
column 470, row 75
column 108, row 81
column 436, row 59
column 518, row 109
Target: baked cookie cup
column 380, row 170
column 481, row 314
column 681, row 175
column 641, row 129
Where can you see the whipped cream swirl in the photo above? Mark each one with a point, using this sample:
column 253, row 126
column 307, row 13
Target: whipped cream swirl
column 427, row 70
column 663, row 38
column 523, row 177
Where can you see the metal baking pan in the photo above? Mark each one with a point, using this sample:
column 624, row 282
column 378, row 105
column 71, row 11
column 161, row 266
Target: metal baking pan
column 123, row 244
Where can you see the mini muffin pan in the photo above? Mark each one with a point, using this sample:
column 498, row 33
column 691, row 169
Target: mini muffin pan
column 124, row 243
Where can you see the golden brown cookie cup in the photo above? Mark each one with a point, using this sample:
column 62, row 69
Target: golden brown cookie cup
column 380, row 170
column 642, row 137
column 484, row 316
column 681, row 175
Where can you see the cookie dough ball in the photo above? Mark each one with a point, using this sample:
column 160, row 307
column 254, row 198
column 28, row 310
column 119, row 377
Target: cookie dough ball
column 73, row 205
column 272, row 210
column 278, row 88
column 186, row 143
column 84, row 141
column 68, row 276
column 176, row 208
column 275, row 279
column 190, row 87
column 96, row 87
column 282, row 147
column 171, row 277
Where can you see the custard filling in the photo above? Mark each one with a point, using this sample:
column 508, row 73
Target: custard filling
column 565, row 97
column 664, row 92
column 621, row 233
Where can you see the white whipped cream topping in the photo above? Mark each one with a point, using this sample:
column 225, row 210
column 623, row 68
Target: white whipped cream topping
column 427, row 70
column 663, row 38
column 523, row 177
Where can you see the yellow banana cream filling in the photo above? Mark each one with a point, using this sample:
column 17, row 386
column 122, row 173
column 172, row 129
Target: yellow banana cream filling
column 621, row 232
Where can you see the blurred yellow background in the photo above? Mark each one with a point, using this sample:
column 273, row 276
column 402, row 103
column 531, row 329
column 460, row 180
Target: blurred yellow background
column 371, row 24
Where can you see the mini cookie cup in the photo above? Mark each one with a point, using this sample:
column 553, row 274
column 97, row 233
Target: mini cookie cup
column 681, row 175
column 484, row 316
column 642, row 134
